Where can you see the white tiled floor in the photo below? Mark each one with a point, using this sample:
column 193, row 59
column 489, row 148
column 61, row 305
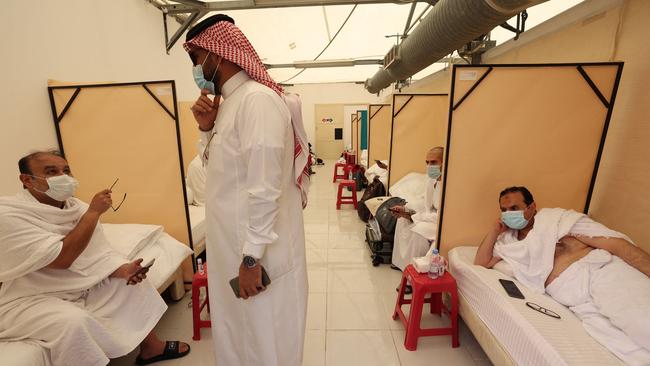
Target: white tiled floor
column 350, row 301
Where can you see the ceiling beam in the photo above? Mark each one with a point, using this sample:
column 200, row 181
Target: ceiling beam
column 188, row 6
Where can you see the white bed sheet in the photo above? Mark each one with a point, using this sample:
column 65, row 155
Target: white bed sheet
column 530, row 337
column 197, row 220
column 411, row 188
column 169, row 254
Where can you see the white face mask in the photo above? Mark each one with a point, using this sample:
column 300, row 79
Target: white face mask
column 61, row 187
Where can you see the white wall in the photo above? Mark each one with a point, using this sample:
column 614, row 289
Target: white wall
column 343, row 93
column 95, row 41
column 73, row 40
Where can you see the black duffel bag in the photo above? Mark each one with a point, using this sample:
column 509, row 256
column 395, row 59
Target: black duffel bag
column 375, row 189
column 385, row 217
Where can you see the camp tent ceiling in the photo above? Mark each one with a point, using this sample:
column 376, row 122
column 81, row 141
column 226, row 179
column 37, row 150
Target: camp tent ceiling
column 286, row 35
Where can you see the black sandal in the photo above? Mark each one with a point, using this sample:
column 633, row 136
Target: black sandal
column 171, row 352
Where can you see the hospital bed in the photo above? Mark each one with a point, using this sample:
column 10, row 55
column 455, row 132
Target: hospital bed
column 197, row 220
column 510, row 332
column 411, row 188
column 145, row 241
column 375, row 171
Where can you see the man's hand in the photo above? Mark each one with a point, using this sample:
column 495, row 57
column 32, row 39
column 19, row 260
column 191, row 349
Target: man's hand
column 101, row 202
column 132, row 272
column 400, row 211
column 499, row 227
column 485, row 254
column 250, row 281
column 205, row 110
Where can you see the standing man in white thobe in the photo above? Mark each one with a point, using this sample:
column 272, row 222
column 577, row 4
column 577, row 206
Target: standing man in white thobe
column 256, row 156
column 415, row 232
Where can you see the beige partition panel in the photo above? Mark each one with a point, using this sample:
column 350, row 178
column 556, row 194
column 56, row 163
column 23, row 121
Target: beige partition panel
column 539, row 126
column 189, row 133
column 419, row 123
column 355, row 132
column 379, row 131
column 128, row 131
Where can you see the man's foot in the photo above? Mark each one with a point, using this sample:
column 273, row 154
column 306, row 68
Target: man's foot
column 168, row 351
column 392, row 266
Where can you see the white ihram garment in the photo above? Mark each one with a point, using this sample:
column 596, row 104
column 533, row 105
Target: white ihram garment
column 413, row 239
column 610, row 297
column 77, row 314
column 254, row 207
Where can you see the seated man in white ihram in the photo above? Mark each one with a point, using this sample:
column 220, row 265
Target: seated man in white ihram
column 416, row 227
column 597, row 272
column 61, row 285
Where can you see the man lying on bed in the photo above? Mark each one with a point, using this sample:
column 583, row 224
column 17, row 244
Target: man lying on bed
column 61, row 285
column 595, row 271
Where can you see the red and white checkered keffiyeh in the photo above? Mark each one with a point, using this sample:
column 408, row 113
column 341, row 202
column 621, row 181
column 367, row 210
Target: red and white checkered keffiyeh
column 226, row 40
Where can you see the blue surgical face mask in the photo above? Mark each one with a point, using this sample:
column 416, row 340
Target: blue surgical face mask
column 200, row 80
column 433, row 171
column 514, row 219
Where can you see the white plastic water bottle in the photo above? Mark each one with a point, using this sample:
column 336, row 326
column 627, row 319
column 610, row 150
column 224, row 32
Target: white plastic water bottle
column 435, row 264
column 199, row 265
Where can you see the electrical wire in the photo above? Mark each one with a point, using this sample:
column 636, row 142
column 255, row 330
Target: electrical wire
column 326, row 47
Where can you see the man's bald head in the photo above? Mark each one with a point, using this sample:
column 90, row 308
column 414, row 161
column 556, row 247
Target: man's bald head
column 25, row 163
column 434, row 156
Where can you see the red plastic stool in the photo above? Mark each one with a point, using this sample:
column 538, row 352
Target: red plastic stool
column 351, row 158
column 341, row 199
column 336, row 172
column 198, row 281
column 422, row 285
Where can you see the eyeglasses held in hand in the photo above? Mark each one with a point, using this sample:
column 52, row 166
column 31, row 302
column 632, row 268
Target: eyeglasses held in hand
column 123, row 198
column 206, row 151
column 543, row 310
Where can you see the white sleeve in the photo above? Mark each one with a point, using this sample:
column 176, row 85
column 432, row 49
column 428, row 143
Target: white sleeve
column 262, row 128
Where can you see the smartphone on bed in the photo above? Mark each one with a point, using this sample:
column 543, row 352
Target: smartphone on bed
column 234, row 283
column 512, row 289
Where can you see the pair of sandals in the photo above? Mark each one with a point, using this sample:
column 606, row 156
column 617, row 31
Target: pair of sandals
column 171, row 351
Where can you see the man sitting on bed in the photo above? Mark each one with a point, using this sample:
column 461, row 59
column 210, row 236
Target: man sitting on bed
column 597, row 272
column 61, row 285
column 415, row 231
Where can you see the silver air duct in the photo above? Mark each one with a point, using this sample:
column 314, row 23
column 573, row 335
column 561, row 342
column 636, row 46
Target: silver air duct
column 447, row 27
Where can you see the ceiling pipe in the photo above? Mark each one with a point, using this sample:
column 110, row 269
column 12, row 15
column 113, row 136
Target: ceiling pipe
column 447, row 27
column 324, row 63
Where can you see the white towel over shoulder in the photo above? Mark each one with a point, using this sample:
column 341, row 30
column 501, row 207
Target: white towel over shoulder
column 532, row 258
column 32, row 236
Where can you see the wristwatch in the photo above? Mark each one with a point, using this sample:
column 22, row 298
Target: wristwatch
column 250, row 262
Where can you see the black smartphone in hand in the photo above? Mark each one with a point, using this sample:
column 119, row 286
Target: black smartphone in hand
column 234, row 283
column 512, row 289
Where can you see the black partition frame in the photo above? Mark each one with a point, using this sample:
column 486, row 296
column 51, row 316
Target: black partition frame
column 392, row 122
column 579, row 67
column 57, row 118
column 370, row 116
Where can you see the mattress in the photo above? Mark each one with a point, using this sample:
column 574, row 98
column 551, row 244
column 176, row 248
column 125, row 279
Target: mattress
column 169, row 254
column 531, row 338
column 197, row 220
